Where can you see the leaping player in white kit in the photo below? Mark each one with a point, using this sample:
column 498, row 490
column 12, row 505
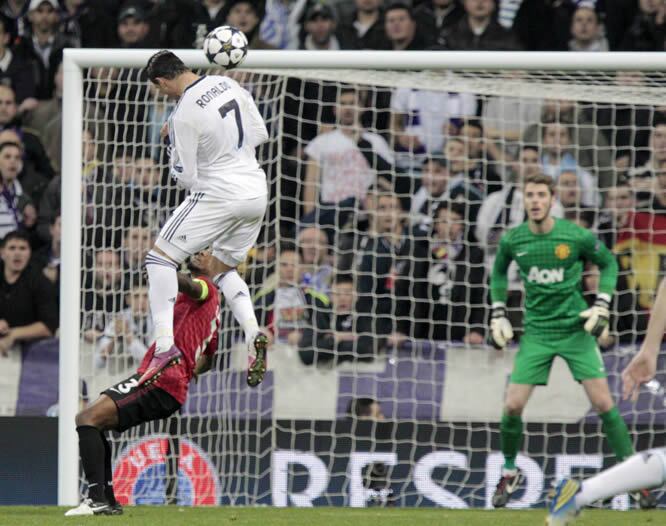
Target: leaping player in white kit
column 211, row 135
column 643, row 470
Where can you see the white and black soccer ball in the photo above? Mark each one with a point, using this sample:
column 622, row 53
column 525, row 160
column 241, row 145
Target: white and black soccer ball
column 225, row 46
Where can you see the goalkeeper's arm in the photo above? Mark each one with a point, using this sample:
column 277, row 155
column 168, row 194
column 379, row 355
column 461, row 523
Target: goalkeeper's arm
column 501, row 331
column 597, row 317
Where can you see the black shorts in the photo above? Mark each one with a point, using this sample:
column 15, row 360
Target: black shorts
column 137, row 405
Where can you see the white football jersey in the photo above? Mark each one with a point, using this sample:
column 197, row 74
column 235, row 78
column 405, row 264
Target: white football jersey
column 214, row 131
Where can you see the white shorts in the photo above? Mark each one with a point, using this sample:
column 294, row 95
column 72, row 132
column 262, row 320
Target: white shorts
column 229, row 227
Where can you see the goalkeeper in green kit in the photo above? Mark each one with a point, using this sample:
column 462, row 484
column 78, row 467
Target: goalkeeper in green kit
column 551, row 254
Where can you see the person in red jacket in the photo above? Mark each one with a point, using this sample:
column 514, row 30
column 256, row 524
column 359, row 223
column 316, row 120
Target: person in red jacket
column 128, row 404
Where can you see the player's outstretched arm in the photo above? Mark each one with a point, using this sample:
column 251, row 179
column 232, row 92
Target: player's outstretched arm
column 501, row 331
column 643, row 366
column 597, row 317
column 197, row 289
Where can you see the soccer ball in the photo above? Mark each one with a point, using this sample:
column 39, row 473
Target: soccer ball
column 225, row 46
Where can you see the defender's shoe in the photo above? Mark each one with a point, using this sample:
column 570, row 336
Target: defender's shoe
column 258, row 359
column 505, row 487
column 90, row 507
column 159, row 363
column 562, row 509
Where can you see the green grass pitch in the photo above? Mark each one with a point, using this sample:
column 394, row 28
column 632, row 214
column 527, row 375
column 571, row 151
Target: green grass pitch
column 226, row 516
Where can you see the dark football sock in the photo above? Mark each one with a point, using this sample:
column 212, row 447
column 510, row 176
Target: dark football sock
column 91, row 450
column 108, row 470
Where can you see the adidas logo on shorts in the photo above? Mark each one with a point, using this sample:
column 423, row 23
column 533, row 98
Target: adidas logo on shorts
column 182, row 238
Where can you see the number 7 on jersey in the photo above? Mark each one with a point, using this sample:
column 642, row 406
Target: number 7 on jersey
column 232, row 105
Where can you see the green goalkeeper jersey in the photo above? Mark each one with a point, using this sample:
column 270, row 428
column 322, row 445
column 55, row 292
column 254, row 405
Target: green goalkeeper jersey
column 551, row 267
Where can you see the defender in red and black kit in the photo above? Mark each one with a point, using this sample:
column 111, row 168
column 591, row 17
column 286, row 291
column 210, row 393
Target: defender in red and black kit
column 126, row 404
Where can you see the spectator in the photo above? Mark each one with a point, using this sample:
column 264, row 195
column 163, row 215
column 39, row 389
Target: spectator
column 480, row 171
column 137, row 241
column 46, row 120
column 279, row 27
column 435, row 178
column 626, row 127
column 28, row 310
column 133, row 28
column 260, row 268
column 15, row 71
column 34, row 153
column 400, row 29
column 86, row 24
column 47, row 258
column 32, row 182
column 465, row 173
column 43, row 45
column 505, row 120
column 472, row 175
column 314, row 256
column 556, row 158
column 103, row 294
column 103, row 210
column 286, row 309
column 642, row 243
column 157, row 114
column 642, row 178
column 434, row 16
column 629, row 318
column 343, row 164
column 619, row 16
column 141, row 193
column 586, row 31
column 534, row 22
column 647, row 31
column 478, row 30
column 320, row 29
column 16, row 12
column 619, row 204
column 127, row 338
column 421, row 121
column 16, row 208
column 440, row 291
column 586, row 142
column 364, row 28
column 376, row 262
column 204, row 16
column 336, row 338
column 568, row 193
column 246, row 16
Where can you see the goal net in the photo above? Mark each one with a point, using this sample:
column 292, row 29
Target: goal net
column 389, row 191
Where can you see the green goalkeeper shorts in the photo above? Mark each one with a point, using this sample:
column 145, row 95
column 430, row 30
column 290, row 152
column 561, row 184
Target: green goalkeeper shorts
column 535, row 358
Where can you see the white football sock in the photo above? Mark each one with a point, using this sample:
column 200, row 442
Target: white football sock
column 641, row 471
column 237, row 296
column 162, row 292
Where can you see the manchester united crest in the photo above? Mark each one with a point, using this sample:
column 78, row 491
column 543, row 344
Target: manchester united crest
column 562, row 251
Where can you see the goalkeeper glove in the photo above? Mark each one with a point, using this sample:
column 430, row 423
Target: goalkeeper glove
column 597, row 316
column 501, row 331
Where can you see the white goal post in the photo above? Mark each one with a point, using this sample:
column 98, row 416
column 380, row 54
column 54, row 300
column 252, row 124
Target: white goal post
column 77, row 60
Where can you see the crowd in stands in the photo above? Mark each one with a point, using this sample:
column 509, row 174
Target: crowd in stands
column 392, row 200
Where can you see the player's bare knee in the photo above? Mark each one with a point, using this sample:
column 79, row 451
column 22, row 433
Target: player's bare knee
column 85, row 418
column 513, row 407
column 603, row 405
